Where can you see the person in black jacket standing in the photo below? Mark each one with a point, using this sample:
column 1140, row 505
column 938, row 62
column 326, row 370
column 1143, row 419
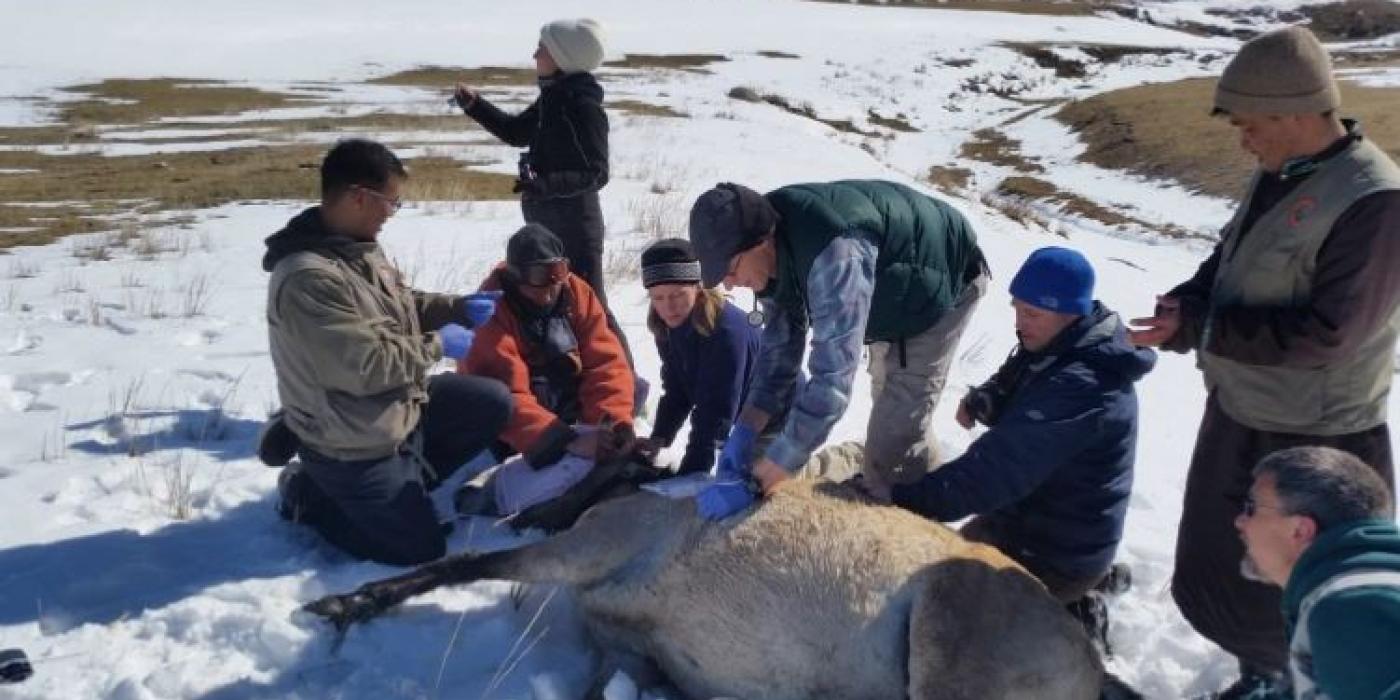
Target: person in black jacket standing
column 566, row 133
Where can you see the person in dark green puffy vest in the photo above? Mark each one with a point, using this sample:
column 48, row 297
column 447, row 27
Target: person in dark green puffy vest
column 854, row 262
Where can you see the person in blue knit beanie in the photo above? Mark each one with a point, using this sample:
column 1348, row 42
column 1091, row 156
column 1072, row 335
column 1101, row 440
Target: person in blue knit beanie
column 1049, row 480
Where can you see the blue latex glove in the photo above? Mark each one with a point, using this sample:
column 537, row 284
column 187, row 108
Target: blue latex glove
column 734, row 457
column 723, row 498
column 480, row 306
column 456, row 341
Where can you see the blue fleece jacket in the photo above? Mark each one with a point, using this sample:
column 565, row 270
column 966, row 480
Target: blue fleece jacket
column 704, row 377
column 1056, row 469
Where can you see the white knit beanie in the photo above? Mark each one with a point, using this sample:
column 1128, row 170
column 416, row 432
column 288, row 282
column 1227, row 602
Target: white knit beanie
column 1283, row 72
column 576, row 45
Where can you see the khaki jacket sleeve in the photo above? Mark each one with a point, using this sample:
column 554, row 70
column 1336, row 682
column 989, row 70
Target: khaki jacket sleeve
column 437, row 310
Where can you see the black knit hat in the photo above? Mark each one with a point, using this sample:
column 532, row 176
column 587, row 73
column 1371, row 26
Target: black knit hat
column 533, row 244
column 725, row 221
column 670, row 261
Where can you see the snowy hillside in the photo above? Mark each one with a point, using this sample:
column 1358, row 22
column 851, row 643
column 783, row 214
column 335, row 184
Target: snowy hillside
column 140, row 556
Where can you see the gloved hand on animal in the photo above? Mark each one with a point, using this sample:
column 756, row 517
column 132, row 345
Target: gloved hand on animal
column 724, row 498
column 479, row 307
column 731, row 492
column 734, row 456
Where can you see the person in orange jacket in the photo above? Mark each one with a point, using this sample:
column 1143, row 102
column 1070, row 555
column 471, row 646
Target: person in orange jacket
column 573, row 391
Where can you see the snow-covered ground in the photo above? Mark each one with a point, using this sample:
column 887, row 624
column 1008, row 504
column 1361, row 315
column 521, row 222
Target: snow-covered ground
column 140, row 557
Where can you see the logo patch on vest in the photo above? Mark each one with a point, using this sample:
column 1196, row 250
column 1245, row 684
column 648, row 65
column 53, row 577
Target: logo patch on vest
column 1300, row 210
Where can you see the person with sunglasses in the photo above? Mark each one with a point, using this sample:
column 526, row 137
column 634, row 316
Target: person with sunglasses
column 1319, row 523
column 573, row 390
column 352, row 346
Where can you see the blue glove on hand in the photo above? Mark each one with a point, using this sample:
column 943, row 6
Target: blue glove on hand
column 734, row 457
column 456, row 341
column 723, row 498
column 480, row 306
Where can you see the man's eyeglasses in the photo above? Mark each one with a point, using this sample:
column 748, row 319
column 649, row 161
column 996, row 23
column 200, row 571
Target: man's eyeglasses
column 541, row 274
column 395, row 203
column 1249, row 507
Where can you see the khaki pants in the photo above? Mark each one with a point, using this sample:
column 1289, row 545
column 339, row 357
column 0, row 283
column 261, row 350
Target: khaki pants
column 905, row 386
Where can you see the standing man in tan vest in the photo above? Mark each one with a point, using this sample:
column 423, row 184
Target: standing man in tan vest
column 1294, row 318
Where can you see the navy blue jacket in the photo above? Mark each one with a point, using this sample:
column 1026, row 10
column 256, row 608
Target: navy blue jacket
column 704, row 378
column 1056, row 468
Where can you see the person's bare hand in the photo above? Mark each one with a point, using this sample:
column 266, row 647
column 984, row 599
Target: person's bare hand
column 964, row 418
column 1158, row 328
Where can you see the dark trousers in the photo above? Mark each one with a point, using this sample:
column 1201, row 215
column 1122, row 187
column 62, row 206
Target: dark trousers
column 379, row 509
column 1240, row 615
column 1065, row 588
column 578, row 222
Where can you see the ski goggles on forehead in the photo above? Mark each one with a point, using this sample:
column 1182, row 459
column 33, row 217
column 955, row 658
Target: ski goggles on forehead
column 541, row 274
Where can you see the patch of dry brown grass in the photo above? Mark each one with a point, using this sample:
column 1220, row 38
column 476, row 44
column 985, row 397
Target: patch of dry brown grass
column 1045, row 56
column 1353, row 19
column 1060, row 8
column 949, row 178
column 992, row 146
column 694, row 62
column 644, row 109
column 1030, row 189
column 449, row 76
column 111, row 186
column 896, row 123
column 747, row 94
column 1163, row 131
column 126, row 101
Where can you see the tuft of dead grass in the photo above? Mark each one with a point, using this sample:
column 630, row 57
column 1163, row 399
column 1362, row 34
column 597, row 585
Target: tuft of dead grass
column 748, row 94
column 898, row 122
column 1045, row 56
column 644, row 109
column 128, row 101
column 1353, row 19
column 449, row 76
column 949, row 178
column 1025, row 189
column 992, row 146
column 693, row 62
column 1058, row 8
column 109, row 187
column 1163, row 131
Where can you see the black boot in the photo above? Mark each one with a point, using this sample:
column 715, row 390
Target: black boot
column 298, row 495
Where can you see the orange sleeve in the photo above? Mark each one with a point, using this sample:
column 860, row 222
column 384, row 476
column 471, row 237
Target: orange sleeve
column 607, row 386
